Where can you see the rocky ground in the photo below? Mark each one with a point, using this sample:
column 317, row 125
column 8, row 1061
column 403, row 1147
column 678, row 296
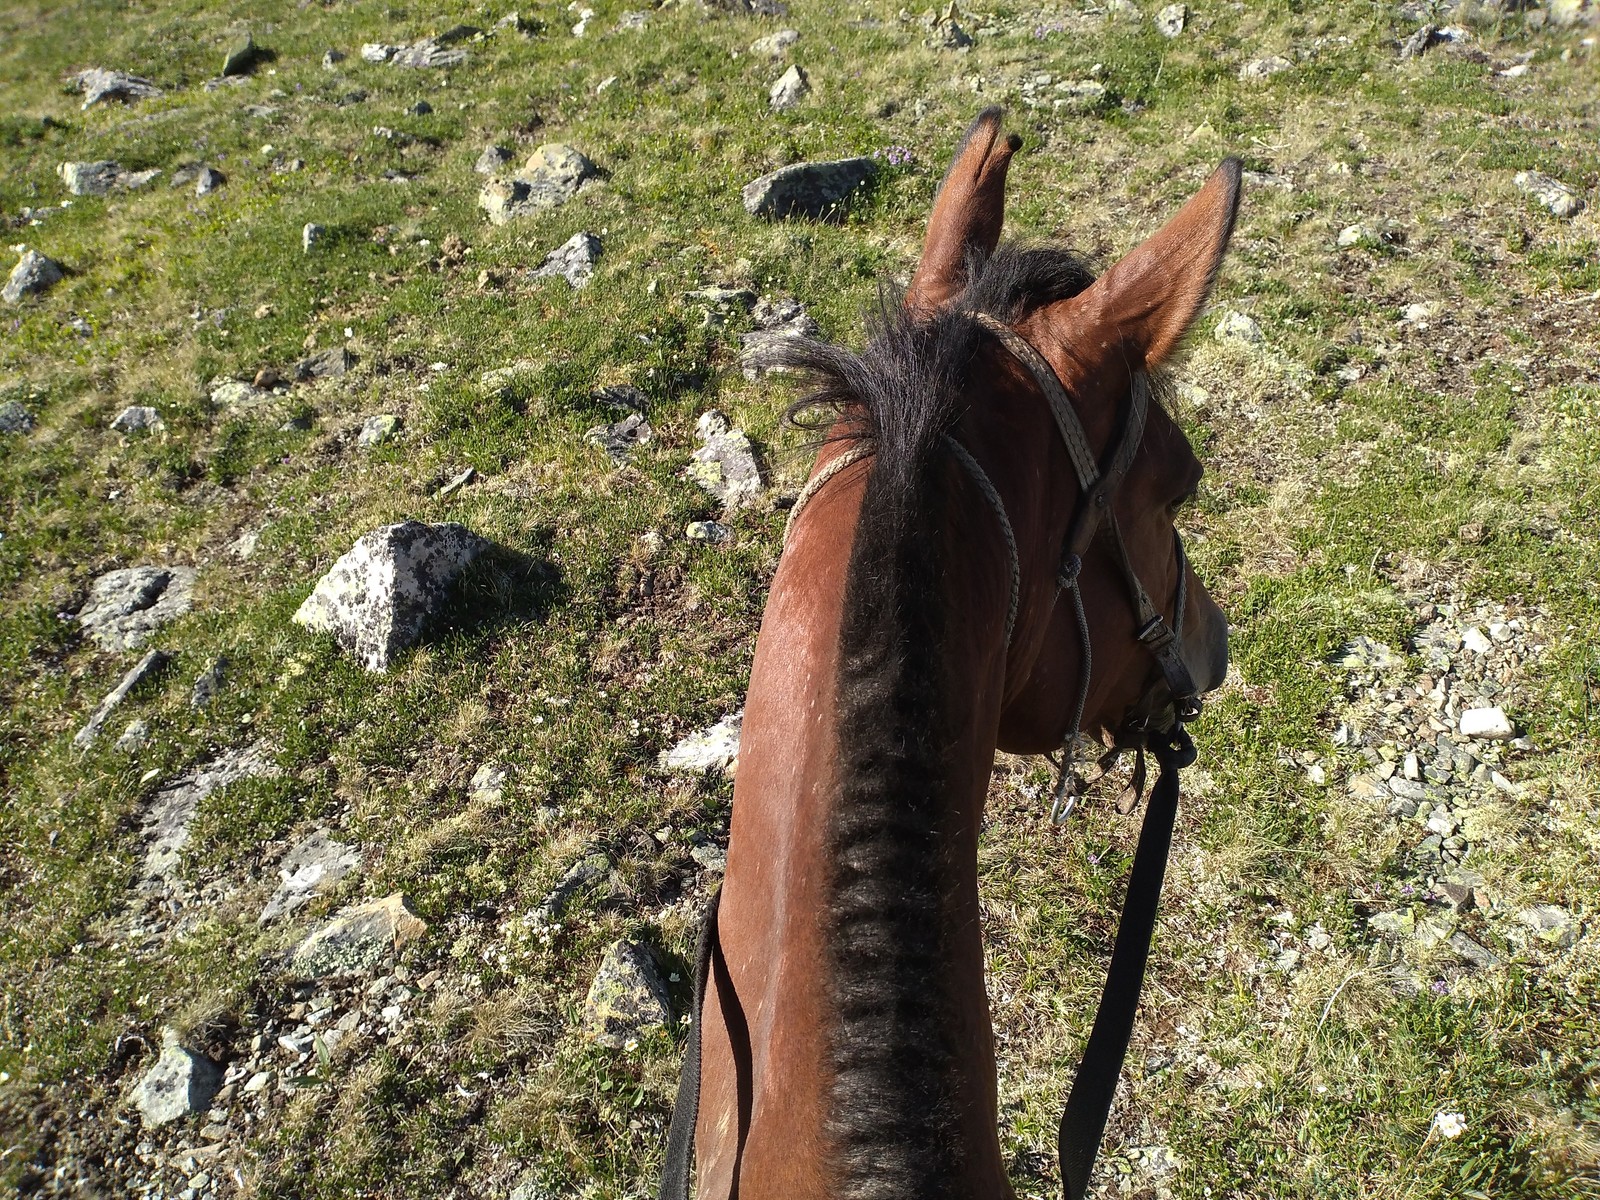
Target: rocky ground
column 392, row 470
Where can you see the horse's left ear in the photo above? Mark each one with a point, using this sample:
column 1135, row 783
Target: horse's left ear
column 967, row 213
column 1140, row 309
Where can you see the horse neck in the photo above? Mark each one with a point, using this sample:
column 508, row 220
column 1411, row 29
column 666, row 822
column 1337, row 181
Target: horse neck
column 921, row 673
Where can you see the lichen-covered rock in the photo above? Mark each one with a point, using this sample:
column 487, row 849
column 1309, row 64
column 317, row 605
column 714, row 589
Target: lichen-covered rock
column 358, row 938
column 815, row 190
column 1557, row 197
column 377, row 429
column 181, row 1082
column 619, row 439
column 98, row 84
column 713, row 748
column 90, row 178
column 628, row 996
column 314, row 865
column 144, row 669
column 1258, row 69
column 14, row 417
column 136, row 418
column 777, row 321
column 574, row 260
column 789, row 90
column 33, row 274
column 331, row 363
column 166, row 822
column 725, row 465
column 551, row 176
column 125, row 607
column 378, row 597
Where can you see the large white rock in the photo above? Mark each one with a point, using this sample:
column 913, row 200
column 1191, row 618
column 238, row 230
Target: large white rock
column 1490, row 723
column 712, row 749
column 378, row 597
column 180, row 1083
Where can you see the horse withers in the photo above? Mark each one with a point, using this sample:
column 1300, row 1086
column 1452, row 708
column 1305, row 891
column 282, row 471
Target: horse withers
column 985, row 558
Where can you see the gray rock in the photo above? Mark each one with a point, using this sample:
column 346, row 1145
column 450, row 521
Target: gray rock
column 378, row 52
column 1079, row 95
column 488, row 784
column 628, row 996
column 774, row 45
column 208, row 180
column 208, row 684
column 725, row 465
column 136, row 418
column 378, row 597
column 125, row 607
column 789, row 90
column 14, row 418
column 1475, row 953
column 619, row 439
column 710, row 856
column 331, row 363
column 457, row 482
column 146, row 668
column 515, row 22
column 1419, row 42
column 1556, row 196
column 1170, row 20
column 313, row 866
column 99, row 85
column 90, row 178
column 1567, row 13
column 715, row 748
column 166, row 822
column 948, row 35
column 33, row 275
column 776, row 321
column 574, row 260
column 311, row 234
column 551, row 176
column 241, row 58
column 1552, row 924
column 133, row 737
column 592, row 866
column 420, row 109
column 358, row 938
column 180, row 1083
column 377, row 430
column 492, row 160
column 622, row 397
column 1258, row 69
column 816, row 190
column 236, row 394
column 714, row 532
column 332, row 59
column 1239, row 328
column 432, row 52
column 1357, row 235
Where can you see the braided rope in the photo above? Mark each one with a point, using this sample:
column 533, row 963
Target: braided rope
column 853, row 455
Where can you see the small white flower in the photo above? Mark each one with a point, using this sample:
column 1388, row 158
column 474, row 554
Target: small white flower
column 1448, row 1124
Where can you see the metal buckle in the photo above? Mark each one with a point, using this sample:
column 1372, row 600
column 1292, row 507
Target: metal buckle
column 1156, row 633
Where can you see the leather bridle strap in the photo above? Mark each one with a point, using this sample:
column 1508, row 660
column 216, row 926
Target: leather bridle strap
column 686, row 1108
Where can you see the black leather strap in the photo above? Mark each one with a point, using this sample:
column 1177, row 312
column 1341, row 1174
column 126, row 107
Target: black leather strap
column 1089, row 1104
column 686, row 1108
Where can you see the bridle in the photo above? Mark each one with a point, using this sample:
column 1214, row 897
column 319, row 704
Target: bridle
column 1089, row 1103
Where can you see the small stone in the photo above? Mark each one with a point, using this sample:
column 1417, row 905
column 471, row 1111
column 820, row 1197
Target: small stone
column 710, row 856
column 948, row 35
column 358, row 938
column 1259, row 69
column 241, row 59
column 146, row 668
column 1551, row 924
column 236, row 394
column 98, row 85
column 257, row 1082
column 457, row 482
column 377, row 429
column 628, row 996
column 1479, row 956
column 774, row 45
column 492, row 160
column 592, row 866
column 14, row 418
column 1238, row 327
column 133, row 737
column 725, row 464
column 378, row 52
column 1393, row 924
column 331, row 59
column 1170, row 20
column 311, row 234
column 789, row 90
column 420, row 109
column 33, row 275
column 1418, row 43
column 377, row 597
column 208, row 180
column 1556, row 196
column 816, row 190
column 715, row 748
column 1356, row 235
column 126, row 607
column 552, row 175
column 324, row 364
column 1475, row 640
column 1488, row 723
column 1460, row 895
column 515, row 22
column 488, row 784
column 574, row 260
column 315, row 864
column 619, row 439
column 180, row 1083
column 90, row 178
column 707, row 531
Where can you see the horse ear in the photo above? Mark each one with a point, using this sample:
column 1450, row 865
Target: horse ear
column 1142, row 307
column 967, row 214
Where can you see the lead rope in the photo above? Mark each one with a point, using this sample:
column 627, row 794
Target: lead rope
column 1068, row 785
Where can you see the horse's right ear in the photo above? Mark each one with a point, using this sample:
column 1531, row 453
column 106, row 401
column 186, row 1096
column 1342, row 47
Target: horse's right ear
column 967, row 213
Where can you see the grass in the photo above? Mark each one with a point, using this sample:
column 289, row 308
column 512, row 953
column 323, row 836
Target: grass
column 1333, row 505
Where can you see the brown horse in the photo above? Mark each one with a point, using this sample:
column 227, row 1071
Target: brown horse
column 923, row 615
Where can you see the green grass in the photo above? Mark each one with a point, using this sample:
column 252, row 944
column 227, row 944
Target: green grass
column 1326, row 500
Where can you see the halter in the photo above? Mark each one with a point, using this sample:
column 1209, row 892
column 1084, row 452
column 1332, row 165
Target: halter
column 1096, row 515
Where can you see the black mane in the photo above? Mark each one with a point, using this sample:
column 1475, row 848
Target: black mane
column 892, row 1123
